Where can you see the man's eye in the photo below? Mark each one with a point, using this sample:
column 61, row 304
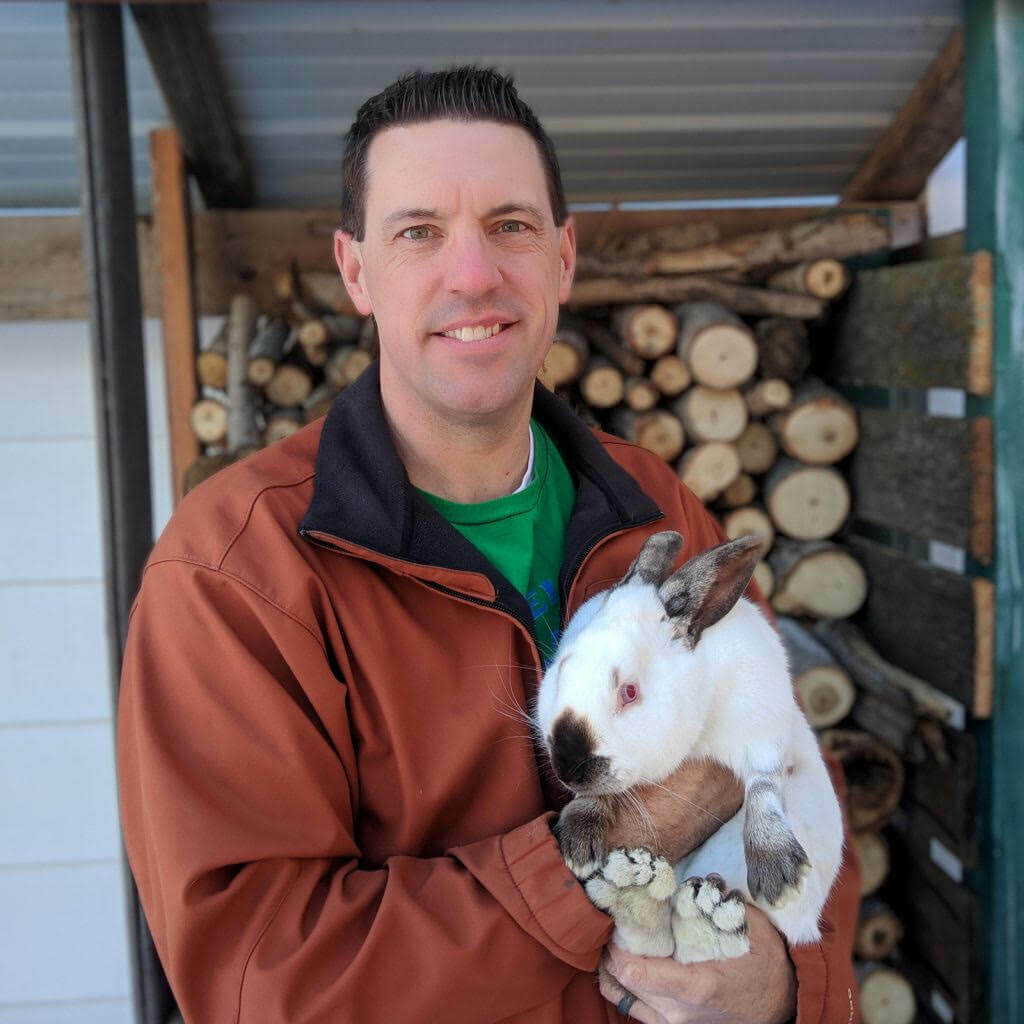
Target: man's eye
column 517, row 225
column 417, row 233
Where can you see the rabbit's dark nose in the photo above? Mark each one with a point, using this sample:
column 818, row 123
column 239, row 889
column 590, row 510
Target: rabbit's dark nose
column 572, row 752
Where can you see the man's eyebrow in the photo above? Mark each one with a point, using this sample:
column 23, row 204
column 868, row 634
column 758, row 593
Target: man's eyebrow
column 516, row 207
column 415, row 212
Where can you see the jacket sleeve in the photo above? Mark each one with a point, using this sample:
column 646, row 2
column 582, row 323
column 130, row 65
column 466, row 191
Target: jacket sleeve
column 238, row 804
column 826, row 988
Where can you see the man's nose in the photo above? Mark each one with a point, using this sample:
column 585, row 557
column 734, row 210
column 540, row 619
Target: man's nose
column 472, row 267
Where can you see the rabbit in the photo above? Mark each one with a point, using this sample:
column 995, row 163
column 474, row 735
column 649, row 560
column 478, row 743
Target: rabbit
column 666, row 666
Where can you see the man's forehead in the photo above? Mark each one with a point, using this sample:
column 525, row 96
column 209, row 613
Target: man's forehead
column 429, row 165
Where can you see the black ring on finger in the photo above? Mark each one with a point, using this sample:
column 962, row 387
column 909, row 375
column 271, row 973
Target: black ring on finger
column 625, row 1004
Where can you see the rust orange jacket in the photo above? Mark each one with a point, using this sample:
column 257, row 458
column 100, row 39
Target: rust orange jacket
column 330, row 807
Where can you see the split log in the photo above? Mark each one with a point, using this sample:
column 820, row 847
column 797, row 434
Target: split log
column 243, row 432
column 657, row 431
column 886, row 997
column 742, row 491
column 824, row 687
column 711, row 415
column 806, row 502
column 874, row 674
column 891, row 721
column 670, row 375
column 783, row 350
column 824, row 279
column 873, row 855
column 708, row 469
column 715, row 344
column 749, row 520
column 266, row 351
column 819, row 427
column 290, row 385
column 765, row 579
column 212, row 361
column 879, row 931
column 667, row 236
column 648, row 330
column 741, row 299
column 602, row 385
column 641, row 395
column 345, row 365
column 768, row 395
column 604, row 342
column 319, row 401
column 757, row 447
column 283, row 423
column 874, row 777
column 588, row 265
column 566, row 359
column 314, row 338
column 208, row 419
column 835, row 237
column 817, row 579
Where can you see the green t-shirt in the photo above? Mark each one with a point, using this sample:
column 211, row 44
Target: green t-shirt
column 523, row 534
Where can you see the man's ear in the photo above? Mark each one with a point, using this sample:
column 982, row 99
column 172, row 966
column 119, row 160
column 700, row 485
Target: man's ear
column 707, row 587
column 567, row 252
column 348, row 254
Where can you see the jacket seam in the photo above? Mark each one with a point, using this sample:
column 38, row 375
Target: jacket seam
column 183, row 559
column 259, row 939
column 252, row 505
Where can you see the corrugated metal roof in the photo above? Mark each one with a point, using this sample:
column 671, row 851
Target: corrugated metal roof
column 643, row 100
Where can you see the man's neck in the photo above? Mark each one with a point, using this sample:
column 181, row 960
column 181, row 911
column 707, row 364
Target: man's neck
column 463, row 461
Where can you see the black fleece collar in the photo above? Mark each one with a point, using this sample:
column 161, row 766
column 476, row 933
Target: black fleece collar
column 363, row 495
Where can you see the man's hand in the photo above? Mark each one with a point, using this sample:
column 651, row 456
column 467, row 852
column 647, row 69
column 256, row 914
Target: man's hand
column 759, row 988
column 679, row 813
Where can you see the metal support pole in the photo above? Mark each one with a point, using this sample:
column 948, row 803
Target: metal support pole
column 115, row 320
column 994, row 120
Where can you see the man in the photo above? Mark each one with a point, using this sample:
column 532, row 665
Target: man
column 331, row 804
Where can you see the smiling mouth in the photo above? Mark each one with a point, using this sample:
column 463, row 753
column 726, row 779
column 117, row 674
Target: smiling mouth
column 475, row 333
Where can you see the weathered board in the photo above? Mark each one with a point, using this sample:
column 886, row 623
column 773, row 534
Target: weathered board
column 916, row 326
column 934, row 623
column 927, row 475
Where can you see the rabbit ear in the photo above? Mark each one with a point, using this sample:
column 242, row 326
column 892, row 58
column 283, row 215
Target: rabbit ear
column 655, row 560
column 708, row 585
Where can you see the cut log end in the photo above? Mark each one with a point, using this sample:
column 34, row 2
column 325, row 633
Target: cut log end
column 886, row 997
column 708, row 469
column 874, row 776
column 879, row 931
column 873, row 854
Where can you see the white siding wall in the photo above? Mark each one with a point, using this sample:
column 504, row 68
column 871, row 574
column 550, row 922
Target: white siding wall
column 64, row 943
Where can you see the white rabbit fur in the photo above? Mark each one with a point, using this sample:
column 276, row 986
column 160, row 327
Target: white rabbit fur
column 730, row 699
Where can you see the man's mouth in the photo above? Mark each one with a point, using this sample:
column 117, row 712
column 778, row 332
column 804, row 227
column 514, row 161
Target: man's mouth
column 475, row 333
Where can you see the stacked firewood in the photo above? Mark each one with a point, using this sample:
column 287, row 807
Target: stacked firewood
column 701, row 355
column 265, row 375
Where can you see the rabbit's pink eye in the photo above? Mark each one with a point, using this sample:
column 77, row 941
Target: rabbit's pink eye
column 628, row 693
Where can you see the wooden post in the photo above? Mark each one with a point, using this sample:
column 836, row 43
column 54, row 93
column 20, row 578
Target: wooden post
column 994, row 108
column 177, row 298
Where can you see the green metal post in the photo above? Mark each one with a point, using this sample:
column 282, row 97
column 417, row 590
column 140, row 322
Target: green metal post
column 994, row 120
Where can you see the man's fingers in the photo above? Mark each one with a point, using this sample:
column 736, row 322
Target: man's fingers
column 657, row 976
column 613, row 992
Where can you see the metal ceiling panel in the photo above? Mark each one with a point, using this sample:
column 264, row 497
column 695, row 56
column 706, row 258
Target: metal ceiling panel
column 659, row 99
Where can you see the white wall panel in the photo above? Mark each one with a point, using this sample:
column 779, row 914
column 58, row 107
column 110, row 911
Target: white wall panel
column 58, row 797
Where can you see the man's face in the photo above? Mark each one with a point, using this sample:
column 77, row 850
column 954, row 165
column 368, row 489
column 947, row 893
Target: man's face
column 459, row 237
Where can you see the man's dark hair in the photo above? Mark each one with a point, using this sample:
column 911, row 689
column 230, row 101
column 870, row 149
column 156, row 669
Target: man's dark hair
column 458, row 94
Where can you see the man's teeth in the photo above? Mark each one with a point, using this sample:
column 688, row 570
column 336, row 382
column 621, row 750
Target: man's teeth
column 473, row 333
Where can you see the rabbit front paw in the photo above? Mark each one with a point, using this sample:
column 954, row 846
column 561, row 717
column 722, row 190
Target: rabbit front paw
column 581, row 832
column 635, row 887
column 708, row 921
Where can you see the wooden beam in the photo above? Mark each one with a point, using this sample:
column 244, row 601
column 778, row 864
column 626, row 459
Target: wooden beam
column 241, row 250
column 920, row 135
column 171, row 214
column 181, row 51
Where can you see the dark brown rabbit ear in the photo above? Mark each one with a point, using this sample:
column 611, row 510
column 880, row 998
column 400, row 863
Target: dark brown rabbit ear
column 655, row 560
column 708, row 586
